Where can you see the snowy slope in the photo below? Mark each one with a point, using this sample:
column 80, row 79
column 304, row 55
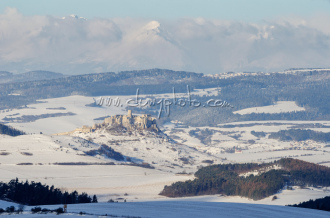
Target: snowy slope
column 50, row 160
column 151, row 148
column 37, row 150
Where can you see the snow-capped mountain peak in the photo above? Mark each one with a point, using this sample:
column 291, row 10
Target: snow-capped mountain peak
column 153, row 25
column 73, row 16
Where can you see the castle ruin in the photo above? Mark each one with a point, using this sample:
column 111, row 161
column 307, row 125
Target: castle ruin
column 129, row 121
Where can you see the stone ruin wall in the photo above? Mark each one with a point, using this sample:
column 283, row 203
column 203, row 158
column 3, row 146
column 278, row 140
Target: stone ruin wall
column 132, row 122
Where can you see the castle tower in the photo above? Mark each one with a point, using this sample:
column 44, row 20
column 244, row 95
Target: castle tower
column 129, row 113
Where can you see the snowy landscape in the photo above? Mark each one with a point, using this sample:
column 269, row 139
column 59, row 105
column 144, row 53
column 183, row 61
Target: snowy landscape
column 164, row 108
column 54, row 154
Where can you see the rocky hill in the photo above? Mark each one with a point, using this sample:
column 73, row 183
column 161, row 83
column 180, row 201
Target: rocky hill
column 140, row 141
column 124, row 123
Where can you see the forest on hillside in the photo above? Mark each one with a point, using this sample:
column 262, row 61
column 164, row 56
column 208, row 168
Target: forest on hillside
column 225, row 179
column 7, row 130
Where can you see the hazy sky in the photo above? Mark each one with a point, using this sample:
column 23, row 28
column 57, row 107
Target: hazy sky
column 209, row 36
column 242, row 10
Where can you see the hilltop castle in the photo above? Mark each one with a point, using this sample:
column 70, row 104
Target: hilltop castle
column 129, row 121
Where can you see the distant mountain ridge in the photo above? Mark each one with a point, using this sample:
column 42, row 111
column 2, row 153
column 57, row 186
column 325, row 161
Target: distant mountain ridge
column 308, row 89
column 153, row 81
column 37, row 75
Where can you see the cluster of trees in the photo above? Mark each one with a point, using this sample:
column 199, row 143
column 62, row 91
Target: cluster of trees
column 258, row 134
column 12, row 209
column 7, row 130
column 319, row 204
column 229, row 183
column 300, row 135
column 58, row 211
column 107, row 151
column 37, row 194
column 203, row 135
column 225, row 179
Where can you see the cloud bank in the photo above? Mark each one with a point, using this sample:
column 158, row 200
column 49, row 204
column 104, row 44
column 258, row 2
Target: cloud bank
column 76, row 46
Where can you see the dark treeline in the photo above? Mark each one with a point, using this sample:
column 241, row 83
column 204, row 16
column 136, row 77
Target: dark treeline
column 300, row 135
column 32, row 193
column 225, row 179
column 7, row 130
column 319, row 204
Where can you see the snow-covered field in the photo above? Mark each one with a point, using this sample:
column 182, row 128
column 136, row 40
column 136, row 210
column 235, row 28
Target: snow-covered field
column 36, row 158
column 85, row 115
column 254, row 149
column 107, row 182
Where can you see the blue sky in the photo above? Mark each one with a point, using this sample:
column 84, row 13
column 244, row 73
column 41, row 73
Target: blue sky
column 240, row 10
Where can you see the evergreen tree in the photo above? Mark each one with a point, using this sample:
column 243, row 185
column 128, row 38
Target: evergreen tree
column 94, row 199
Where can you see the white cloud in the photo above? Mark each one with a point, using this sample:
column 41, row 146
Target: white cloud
column 76, row 46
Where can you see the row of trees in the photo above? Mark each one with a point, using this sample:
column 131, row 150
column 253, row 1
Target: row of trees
column 37, row 194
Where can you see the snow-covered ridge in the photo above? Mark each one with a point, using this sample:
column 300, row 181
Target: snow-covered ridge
column 278, row 107
column 225, row 75
column 293, row 71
